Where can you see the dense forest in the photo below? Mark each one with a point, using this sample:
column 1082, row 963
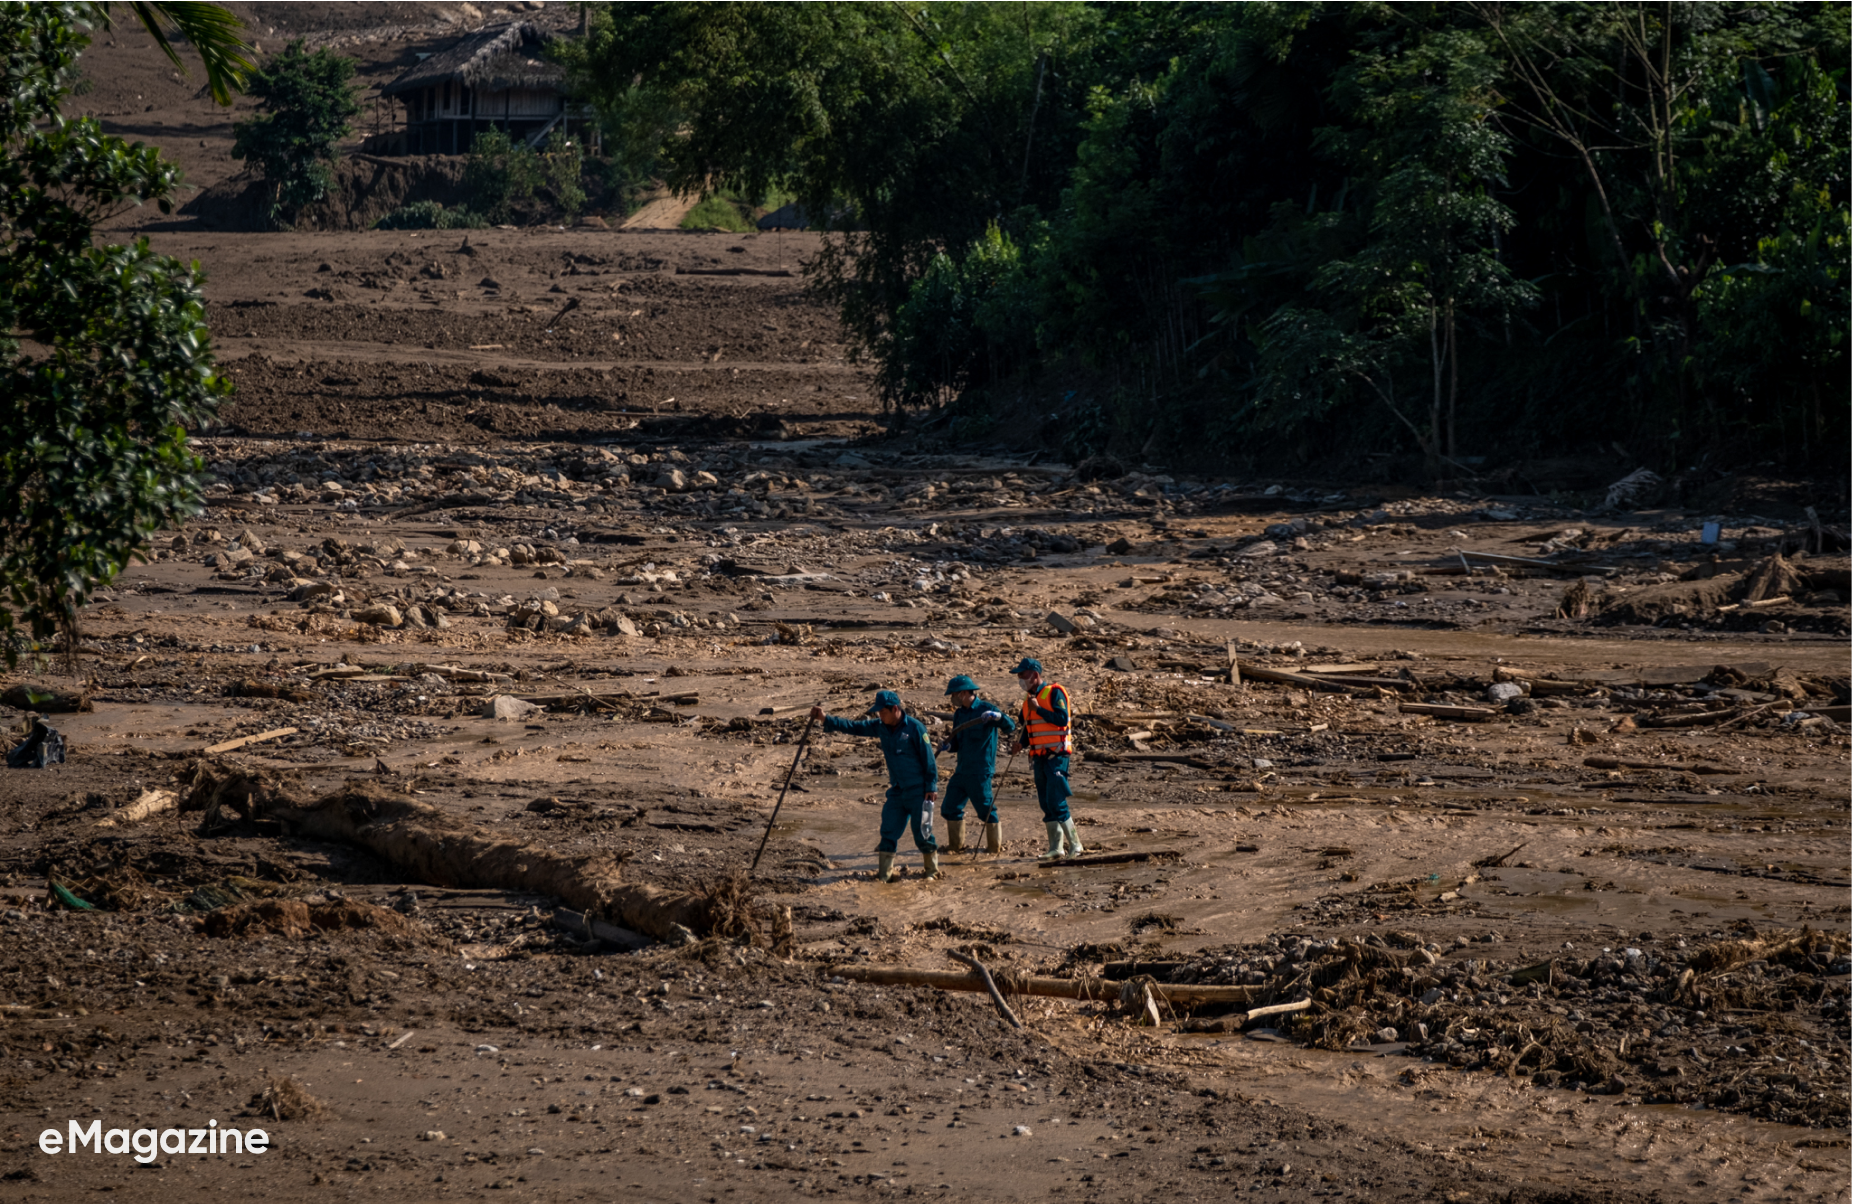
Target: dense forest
column 1294, row 233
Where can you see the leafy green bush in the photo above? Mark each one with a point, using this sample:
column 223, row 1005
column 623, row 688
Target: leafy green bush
column 93, row 421
column 501, row 176
column 305, row 106
column 717, row 213
column 564, row 169
column 430, row 215
column 964, row 324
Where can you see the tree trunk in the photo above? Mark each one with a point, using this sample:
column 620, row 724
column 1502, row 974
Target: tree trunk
column 1453, row 382
column 1435, row 413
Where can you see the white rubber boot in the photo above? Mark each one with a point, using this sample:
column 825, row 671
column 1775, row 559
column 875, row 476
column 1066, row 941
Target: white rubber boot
column 884, row 867
column 929, row 859
column 993, row 838
column 1055, row 836
column 1074, row 847
column 954, row 835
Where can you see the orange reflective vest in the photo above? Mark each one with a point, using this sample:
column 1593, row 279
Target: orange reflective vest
column 1041, row 737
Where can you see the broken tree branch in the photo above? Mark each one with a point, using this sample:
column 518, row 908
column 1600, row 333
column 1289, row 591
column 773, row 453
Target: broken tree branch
column 990, row 984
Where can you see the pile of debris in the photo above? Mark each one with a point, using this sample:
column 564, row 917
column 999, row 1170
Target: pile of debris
column 1753, row 1024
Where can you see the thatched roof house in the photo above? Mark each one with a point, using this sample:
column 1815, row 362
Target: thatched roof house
column 495, row 78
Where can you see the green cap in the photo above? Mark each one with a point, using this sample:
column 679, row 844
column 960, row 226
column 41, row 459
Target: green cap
column 961, row 682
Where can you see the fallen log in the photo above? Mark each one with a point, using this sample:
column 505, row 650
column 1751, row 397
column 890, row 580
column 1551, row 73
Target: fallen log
column 1531, row 562
column 1193, row 760
column 1251, row 672
column 447, row 502
column 431, row 846
column 46, row 700
column 1123, row 970
column 734, row 272
column 1362, row 682
column 596, row 929
column 1049, row 988
column 1109, row 859
column 151, row 802
column 1667, row 766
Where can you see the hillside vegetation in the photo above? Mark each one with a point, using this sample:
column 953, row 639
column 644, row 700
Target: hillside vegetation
column 1279, row 232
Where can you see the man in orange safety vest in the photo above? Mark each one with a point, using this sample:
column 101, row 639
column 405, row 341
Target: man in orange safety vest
column 1047, row 735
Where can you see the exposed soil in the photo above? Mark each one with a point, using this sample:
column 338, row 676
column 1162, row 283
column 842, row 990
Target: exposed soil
column 1581, row 937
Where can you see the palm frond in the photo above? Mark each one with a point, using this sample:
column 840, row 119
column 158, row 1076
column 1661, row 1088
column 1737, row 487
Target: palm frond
column 215, row 33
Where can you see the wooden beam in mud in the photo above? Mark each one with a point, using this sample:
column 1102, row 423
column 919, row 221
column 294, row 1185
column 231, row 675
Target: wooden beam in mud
column 1051, row 988
column 243, row 741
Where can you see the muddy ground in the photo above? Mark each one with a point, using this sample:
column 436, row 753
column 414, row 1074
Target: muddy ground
column 1580, row 937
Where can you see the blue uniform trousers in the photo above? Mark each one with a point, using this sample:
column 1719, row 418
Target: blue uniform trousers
column 976, row 791
column 1051, row 786
column 901, row 811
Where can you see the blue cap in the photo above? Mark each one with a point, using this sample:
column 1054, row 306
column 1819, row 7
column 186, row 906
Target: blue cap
column 884, row 698
column 961, row 682
column 1028, row 664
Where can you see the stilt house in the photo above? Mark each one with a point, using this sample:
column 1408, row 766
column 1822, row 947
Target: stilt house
column 496, row 78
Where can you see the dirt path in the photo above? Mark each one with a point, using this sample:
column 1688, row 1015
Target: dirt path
column 664, row 213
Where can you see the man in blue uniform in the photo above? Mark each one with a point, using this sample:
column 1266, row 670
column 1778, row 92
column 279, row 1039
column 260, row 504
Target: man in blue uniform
column 975, row 726
column 912, row 778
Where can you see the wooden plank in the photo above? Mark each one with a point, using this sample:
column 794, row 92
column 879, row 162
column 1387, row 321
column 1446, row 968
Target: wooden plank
column 1108, row 859
column 1700, row 719
column 1254, row 672
column 1531, row 562
column 1368, row 683
column 1441, row 711
column 242, row 741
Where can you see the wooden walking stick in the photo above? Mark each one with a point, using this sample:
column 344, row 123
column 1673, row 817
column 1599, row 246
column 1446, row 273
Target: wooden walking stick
column 803, row 741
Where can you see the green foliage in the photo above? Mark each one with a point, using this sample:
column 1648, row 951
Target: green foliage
column 964, row 324
column 505, row 178
column 430, row 215
column 93, row 448
column 214, row 32
column 305, row 105
column 501, row 176
column 1272, row 229
column 717, row 213
column 925, row 121
column 563, row 168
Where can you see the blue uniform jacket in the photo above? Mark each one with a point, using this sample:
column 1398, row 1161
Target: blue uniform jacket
column 911, row 767
column 977, row 746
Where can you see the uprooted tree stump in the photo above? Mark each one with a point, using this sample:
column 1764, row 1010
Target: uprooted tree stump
column 433, row 847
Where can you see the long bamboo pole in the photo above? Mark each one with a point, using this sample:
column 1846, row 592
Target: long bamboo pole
column 803, row 742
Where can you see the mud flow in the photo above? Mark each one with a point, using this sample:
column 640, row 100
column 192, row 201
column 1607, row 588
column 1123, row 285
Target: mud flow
column 1460, row 848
